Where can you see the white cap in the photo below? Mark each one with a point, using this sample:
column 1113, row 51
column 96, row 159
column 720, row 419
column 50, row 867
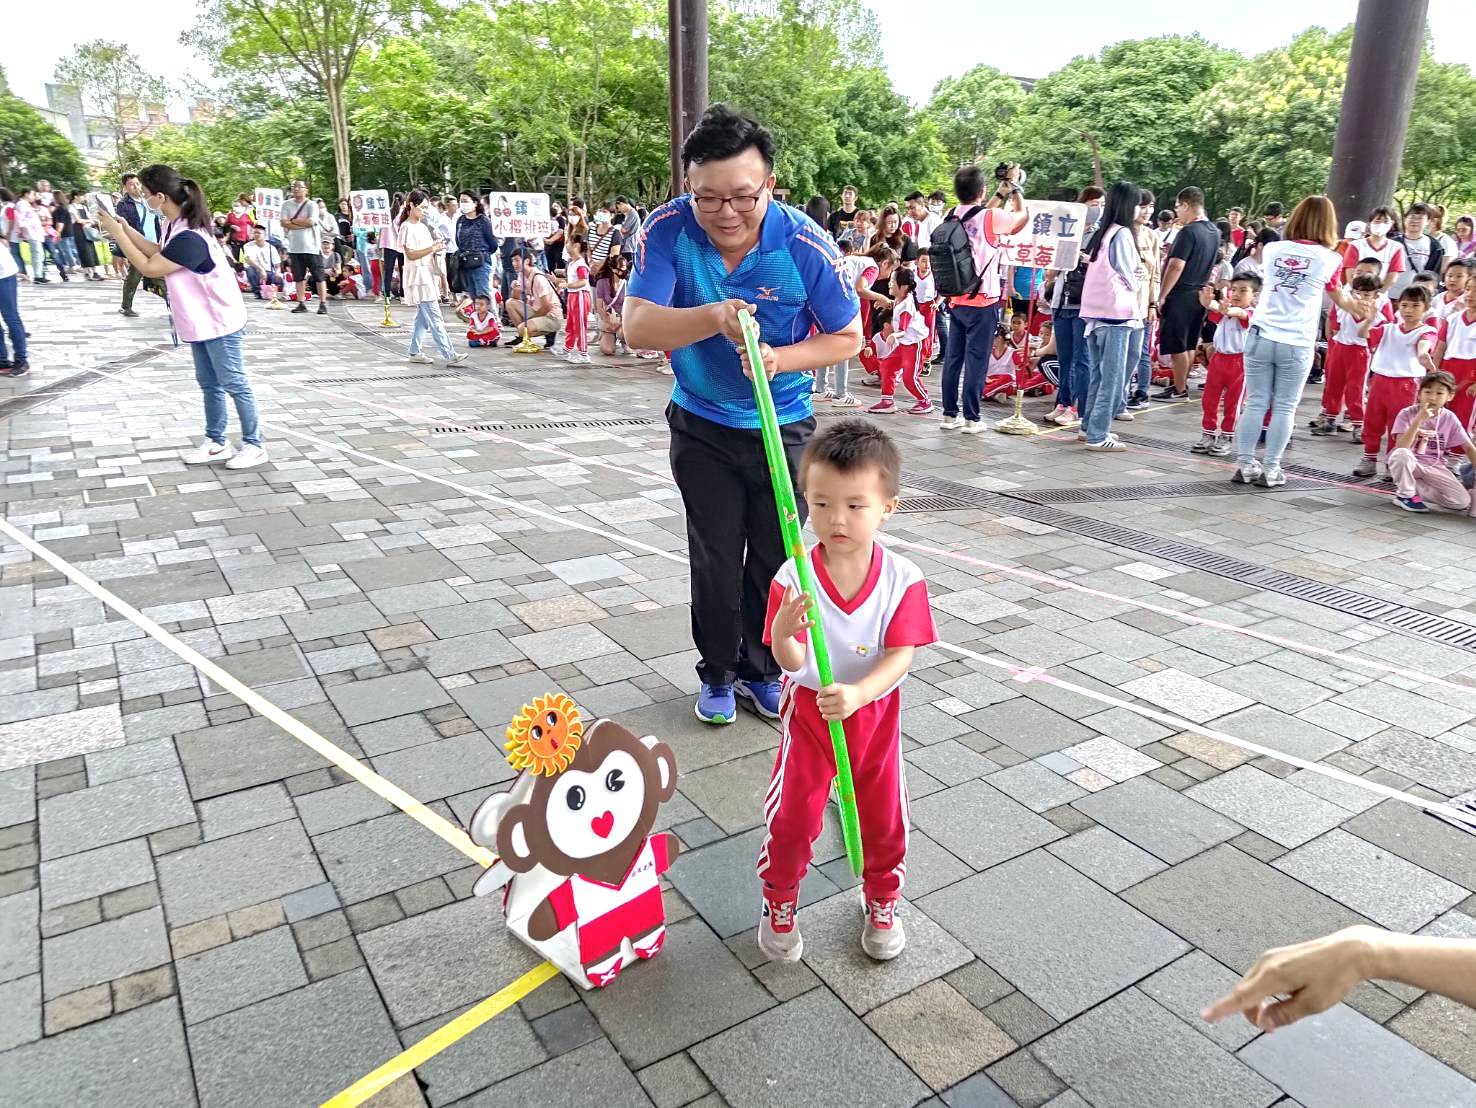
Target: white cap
column 1355, row 230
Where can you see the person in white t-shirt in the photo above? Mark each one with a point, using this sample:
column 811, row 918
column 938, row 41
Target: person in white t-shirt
column 1401, row 356
column 920, row 222
column 1283, row 336
column 262, row 259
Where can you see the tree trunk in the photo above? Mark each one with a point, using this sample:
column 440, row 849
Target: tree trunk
column 338, row 121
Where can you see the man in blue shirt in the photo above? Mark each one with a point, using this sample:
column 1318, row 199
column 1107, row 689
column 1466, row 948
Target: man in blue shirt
column 726, row 248
column 133, row 211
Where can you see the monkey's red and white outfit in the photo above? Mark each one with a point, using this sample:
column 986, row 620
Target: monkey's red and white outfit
column 890, row 610
column 609, row 914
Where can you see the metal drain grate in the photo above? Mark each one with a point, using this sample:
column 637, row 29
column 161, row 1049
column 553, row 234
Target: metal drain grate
column 386, row 380
column 1312, row 473
column 24, row 402
column 931, row 504
column 1095, row 494
column 1448, row 631
column 546, row 425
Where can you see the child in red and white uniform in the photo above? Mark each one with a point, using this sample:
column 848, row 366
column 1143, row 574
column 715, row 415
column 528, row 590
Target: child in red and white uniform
column 579, row 301
column 1455, row 352
column 1401, row 357
column 1424, row 433
column 926, row 296
column 482, row 327
column 899, row 349
column 833, row 382
column 1376, row 245
column 1224, row 381
column 1008, row 355
column 1345, row 369
column 1457, row 279
column 873, row 606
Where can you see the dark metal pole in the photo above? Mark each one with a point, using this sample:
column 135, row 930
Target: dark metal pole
column 687, row 67
column 676, row 118
column 1382, row 66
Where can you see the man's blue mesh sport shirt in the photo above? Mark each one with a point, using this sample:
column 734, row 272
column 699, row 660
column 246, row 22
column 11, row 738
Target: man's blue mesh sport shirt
column 794, row 276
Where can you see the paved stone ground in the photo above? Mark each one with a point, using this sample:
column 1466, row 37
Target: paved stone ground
column 195, row 908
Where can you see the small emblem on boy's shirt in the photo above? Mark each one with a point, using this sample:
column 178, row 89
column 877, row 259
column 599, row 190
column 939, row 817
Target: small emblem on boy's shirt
column 771, row 293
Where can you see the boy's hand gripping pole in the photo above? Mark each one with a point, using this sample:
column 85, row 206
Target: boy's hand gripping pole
column 794, row 546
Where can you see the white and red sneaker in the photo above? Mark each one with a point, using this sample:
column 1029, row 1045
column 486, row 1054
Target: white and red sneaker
column 882, row 936
column 884, row 406
column 778, row 932
column 924, row 407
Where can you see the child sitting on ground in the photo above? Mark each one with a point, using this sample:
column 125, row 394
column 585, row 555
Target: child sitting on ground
column 1401, row 357
column 482, row 327
column 1423, row 434
column 1346, row 364
column 873, row 606
column 899, row 349
column 1224, row 382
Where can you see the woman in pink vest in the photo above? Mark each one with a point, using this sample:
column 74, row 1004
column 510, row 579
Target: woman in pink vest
column 1114, row 319
column 205, row 304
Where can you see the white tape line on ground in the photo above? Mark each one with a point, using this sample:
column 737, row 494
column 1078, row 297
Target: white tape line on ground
column 1039, row 673
column 937, row 552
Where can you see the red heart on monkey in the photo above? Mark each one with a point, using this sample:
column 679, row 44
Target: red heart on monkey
column 602, row 825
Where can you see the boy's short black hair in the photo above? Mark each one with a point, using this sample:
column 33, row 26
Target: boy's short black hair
column 1468, row 264
column 1191, row 194
column 1274, row 209
column 905, row 278
column 1247, row 279
column 911, row 196
column 848, row 445
column 1426, row 277
column 1366, row 282
column 968, row 184
column 725, row 132
column 1439, row 377
column 1413, row 291
column 1370, row 260
column 1419, row 207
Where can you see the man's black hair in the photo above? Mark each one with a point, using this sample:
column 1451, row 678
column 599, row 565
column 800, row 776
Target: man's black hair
column 725, row 132
column 911, row 196
column 123, row 182
column 1419, row 207
column 1192, row 195
column 623, row 200
column 852, row 444
column 968, row 184
column 1274, row 209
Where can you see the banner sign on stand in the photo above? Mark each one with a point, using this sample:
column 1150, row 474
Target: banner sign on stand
column 520, row 215
column 268, row 205
column 371, row 208
column 1051, row 237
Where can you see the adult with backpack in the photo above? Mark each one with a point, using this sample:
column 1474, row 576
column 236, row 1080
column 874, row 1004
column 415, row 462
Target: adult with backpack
column 965, row 255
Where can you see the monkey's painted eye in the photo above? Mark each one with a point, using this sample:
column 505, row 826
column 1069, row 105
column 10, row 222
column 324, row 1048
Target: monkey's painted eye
column 575, row 798
column 614, row 781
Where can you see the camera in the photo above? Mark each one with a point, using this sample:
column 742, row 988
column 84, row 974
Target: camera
column 1011, row 174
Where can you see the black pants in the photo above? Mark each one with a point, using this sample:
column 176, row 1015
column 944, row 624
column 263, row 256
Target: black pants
column 389, row 260
column 733, row 539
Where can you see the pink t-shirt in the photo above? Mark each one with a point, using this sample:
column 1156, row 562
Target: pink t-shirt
column 1436, row 437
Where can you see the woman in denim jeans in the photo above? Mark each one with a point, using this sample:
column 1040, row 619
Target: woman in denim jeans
column 1283, row 335
column 1113, row 313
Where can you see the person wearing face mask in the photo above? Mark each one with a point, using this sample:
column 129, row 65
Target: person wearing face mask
column 238, row 220
column 138, row 216
column 422, row 286
column 205, row 305
column 605, row 242
column 1376, row 243
column 476, row 245
column 1422, row 251
column 553, row 242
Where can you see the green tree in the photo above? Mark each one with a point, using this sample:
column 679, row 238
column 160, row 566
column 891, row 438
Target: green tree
column 113, row 85
column 233, row 155
column 1440, row 151
column 970, row 111
column 1135, row 100
column 31, row 149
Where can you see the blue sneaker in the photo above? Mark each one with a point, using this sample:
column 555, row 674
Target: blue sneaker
column 1411, row 503
column 1467, row 473
column 715, row 704
column 762, row 695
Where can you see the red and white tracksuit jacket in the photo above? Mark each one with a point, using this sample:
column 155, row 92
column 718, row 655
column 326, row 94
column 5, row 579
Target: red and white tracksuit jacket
column 890, row 610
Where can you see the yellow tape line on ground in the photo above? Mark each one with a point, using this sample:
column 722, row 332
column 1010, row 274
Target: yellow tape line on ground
column 300, row 731
column 439, row 1039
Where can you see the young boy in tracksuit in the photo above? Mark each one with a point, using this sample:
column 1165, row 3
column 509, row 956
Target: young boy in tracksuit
column 873, row 606
column 1401, row 358
column 1346, row 365
column 1224, row 382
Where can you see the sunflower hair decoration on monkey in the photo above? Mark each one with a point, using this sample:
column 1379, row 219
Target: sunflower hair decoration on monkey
column 578, row 865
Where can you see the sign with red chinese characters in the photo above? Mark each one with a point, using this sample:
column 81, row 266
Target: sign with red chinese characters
column 268, row 205
column 1051, row 237
column 520, row 215
column 371, row 208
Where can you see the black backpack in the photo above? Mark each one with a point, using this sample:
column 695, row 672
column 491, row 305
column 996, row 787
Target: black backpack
column 952, row 256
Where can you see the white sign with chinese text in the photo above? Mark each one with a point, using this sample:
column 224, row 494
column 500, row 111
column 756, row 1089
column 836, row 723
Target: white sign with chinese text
column 268, row 205
column 1051, row 237
column 371, row 208
column 520, row 215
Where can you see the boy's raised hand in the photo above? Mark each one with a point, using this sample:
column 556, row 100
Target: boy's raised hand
column 792, row 617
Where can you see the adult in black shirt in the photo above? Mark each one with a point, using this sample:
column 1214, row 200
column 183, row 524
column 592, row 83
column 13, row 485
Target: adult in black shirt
column 841, row 218
column 1195, row 252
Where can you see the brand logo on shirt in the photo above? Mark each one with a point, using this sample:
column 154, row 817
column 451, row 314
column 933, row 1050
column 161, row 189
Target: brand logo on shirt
column 767, row 293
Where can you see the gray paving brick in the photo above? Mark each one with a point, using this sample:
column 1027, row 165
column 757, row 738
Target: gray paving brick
column 1190, row 985
column 1388, row 890
column 320, row 1039
column 1432, row 764
column 133, row 760
column 1102, row 1055
column 566, row 644
column 500, row 1048
column 939, row 1034
column 1423, row 715
column 811, row 1050
column 237, row 872
column 342, row 619
column 94, row 872
column 479, row 650
column 20, row 939
column 981, row 825
column 46, row 738
column 401, row 569
column 1035, row 786
column 17, row 796
column 134, row 1060
column 451, row 956
column 386, row 697
column 20, row 1011
column 1109, row 860
column 1442, row 1028
column 1343, row 1059
column 246, row 810
column 255, row 751
column 1158, row 819
column 446, row 767
column 1031, row 728
column 330, row 809
column 103, row 814
column 238, row 974
column 104, row 952
column 592, row 1074
column 1268, row 805
column 1087, row 944
column 412, row 598
column 718, row 881
column 1429, row 843
column 383, row 855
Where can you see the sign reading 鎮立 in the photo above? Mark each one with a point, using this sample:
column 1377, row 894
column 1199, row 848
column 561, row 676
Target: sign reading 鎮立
column 520, row 215
column 371, row 208
column 1051, row 237
column 268, row 205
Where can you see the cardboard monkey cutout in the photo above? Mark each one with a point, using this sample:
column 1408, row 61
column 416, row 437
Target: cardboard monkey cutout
column 577, row 860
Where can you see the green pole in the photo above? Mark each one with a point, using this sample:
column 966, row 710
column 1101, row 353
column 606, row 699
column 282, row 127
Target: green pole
column 794, row 546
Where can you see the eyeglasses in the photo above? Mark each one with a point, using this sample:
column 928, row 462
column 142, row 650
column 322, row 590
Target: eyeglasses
column 711, row 205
